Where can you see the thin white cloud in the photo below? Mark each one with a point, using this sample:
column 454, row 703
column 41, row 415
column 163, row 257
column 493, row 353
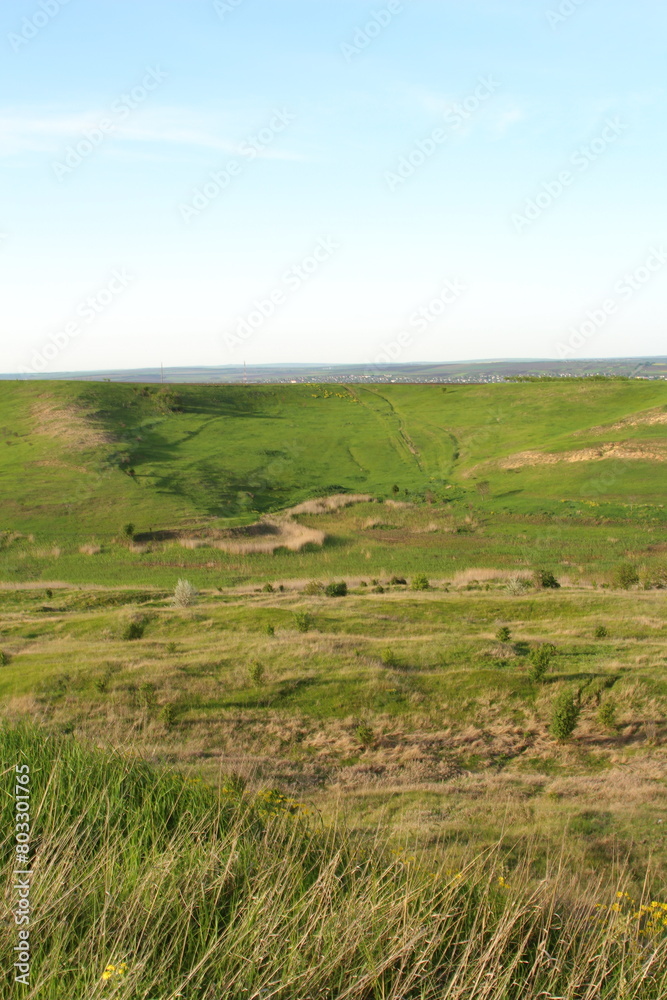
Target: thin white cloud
column 48, row 133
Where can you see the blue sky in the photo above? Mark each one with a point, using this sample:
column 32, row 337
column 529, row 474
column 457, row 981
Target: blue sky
column 200, row 182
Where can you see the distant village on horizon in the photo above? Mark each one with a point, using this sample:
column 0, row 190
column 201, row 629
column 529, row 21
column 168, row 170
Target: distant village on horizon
column 462, row 372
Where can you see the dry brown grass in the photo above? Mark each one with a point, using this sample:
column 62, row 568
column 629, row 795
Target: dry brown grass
column 281, row 533
column 649, row 418
column 627, row 452
column 483, row 575
column 52, row 552
column 323, row 504
column 91, row 549
column 71, row 425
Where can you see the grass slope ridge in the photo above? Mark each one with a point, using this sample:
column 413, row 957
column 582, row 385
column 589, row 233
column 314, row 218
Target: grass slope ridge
column 146, row 885
column 91, row 456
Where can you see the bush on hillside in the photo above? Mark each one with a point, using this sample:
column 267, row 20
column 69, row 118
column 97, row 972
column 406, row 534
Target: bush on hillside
column 256, row 673
column 420, row 582
column 169, row 714
column 653, row 577
column 389, row 658
column 303, row 621
column 564, row 716
column 544, row 578
column 134, row 628
column 336, row 589
column 607, row 714
column 540, row 660
column 185, row 595
column 625, row 576
column 365, row 734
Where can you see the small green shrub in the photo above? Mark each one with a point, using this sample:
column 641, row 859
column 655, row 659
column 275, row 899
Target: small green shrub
column 607, row 714
column 49, row 593
column 147, row 696
column 102, row 683
column 365, row 734
column 270, row 629
column 336, row 589
column 303, row 621
column 389, row 658
column 169, row 715
column 564, row 716
column 185, row 595
column 313, row 588
column 133, row 629
column 516, row 585
column 625, row 576
column 601, row 632
column 171, row 648
column 256, row 673
column 268, row 588
column 653, row 577
column 5, row 658
column 544, row 578
column 378, row 590
column 540, row 660
column 420, row 582
column 128, row 530
column 398, row 581
column 503, row 634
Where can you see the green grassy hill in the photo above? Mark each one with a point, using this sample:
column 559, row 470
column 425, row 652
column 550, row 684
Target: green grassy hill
column 84, row 457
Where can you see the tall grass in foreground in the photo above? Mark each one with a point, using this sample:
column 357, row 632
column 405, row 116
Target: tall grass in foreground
column 147, row 885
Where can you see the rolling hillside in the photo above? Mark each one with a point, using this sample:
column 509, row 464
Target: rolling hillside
column 82, row 457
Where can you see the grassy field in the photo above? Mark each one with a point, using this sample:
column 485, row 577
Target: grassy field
column 147, row 885
column 573, row 473
column 503, row 550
